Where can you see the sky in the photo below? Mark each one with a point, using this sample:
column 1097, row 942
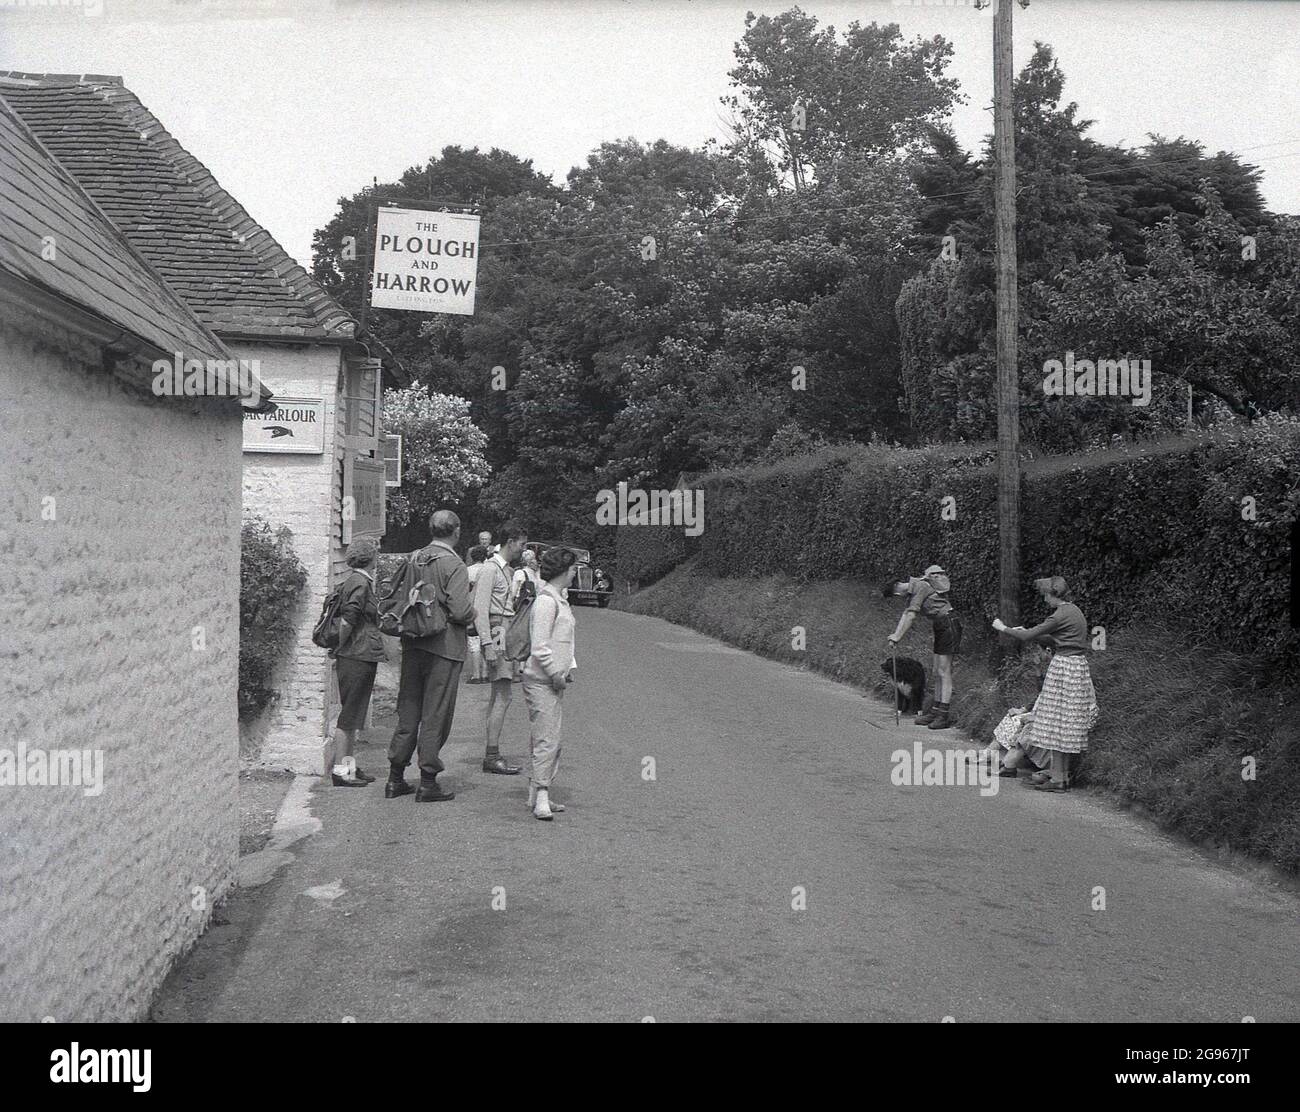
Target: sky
column 293, row 104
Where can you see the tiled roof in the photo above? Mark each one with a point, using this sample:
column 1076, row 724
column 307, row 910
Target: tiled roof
column 53, row 236
column 229, row 270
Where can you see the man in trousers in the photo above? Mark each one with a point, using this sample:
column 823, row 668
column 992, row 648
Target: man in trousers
column 431, row 666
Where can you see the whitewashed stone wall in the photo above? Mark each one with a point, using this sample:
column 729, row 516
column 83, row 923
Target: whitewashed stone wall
column 302, row 493
column 100, row 894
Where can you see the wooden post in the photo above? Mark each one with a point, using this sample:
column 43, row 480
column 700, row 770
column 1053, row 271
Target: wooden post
column 1008, row 381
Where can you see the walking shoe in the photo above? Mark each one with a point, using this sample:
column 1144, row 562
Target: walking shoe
column 363, row 776
column 532, row 799
column 347, row 781
column 1052, row 786
column 1008, row 773
column 542, row 808
column 924, row 718
column 397, row 786
column 941, row 721
column 432, row 793
column 498, row 765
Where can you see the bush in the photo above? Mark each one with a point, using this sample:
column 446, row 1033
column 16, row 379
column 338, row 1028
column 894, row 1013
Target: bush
column 271, row 583
column 1163, row 530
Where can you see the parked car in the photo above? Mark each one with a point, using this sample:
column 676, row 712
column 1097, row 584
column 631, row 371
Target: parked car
column 591, row 586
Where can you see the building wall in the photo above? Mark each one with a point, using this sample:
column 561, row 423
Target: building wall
column 299, row 492
column 100, row 894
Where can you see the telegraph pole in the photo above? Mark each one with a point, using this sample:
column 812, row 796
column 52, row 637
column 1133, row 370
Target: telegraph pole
column 1008, row 388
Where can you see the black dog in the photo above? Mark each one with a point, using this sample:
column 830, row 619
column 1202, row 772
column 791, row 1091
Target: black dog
column 910, row 692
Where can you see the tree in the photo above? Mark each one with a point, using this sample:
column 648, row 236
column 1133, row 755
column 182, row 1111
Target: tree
column 1201, row 312
column 809, row 98
column 1083, row 209
column 442, row 451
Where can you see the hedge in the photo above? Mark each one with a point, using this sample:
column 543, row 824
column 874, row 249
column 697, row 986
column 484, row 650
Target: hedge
column 644, row 553
column 271, row 583
column 1195, row 531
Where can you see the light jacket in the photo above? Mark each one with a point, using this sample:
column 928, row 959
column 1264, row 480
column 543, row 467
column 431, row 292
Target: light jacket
column 360, row 609
column 550, row 630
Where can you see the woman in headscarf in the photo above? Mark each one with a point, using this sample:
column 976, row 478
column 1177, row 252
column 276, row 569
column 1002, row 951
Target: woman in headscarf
column 360, row 648
column 1067, row 706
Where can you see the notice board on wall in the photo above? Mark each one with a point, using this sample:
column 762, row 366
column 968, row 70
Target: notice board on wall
column 363, row 497
column 294, row 425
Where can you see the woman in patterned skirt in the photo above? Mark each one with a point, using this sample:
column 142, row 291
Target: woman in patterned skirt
column 1067, row 706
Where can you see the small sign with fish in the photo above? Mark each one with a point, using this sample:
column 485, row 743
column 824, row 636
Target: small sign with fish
column 294, row 425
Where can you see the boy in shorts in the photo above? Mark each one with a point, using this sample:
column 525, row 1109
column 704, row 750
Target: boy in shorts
column 928, row 597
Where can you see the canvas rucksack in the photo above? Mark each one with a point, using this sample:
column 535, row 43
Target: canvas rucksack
column 326, row 631
column 518, row 639
column 412, row 608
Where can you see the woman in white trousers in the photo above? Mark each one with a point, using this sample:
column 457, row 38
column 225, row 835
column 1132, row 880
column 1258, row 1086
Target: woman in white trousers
column 546, row 673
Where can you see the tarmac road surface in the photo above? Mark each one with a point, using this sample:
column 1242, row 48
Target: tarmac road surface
column 679, row 897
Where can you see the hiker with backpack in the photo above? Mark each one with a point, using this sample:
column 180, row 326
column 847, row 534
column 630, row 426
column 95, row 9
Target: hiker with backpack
column 357, row 652
column 928, row 597
column 493, row 613
column 428, row 605
column 525, row 583
column 546, row 673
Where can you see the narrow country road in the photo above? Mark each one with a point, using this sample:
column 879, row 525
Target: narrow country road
column 672, row 897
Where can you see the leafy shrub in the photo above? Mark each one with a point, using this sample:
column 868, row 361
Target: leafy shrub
column 271, row 583
column 442, row 452
column 1162, row 530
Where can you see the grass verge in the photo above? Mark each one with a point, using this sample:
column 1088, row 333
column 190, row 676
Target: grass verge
column 1183, row 728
